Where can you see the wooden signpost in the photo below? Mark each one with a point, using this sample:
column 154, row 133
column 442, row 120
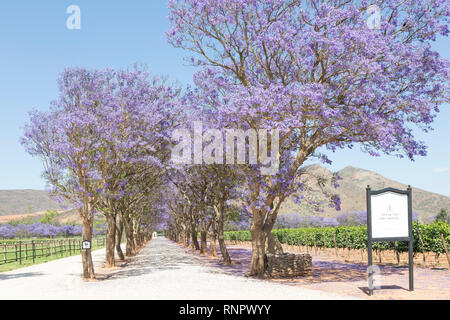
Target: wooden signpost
column 389, row 218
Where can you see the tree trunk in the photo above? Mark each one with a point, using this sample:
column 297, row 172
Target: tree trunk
column 86, row 256
column 195, row 243
column 129, row 250
column 212, row 245
column 136, row 239
column 257, row 264
column 273, row 246
column 260, row 230
column 187, row 237
column 119, row 233
column 203, row 240
column 110, row 240
column 223, row 248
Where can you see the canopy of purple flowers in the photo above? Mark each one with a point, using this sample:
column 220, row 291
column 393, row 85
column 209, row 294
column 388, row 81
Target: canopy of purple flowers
column 43, row 230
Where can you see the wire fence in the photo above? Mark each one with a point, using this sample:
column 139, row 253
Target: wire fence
column 24, row 251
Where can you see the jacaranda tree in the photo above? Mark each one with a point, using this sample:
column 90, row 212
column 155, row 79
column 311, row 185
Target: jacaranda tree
column 319, row 73
column 104, row 131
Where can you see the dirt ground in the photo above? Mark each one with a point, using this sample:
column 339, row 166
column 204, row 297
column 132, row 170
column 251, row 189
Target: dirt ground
column 338, row 275
column 16, row 217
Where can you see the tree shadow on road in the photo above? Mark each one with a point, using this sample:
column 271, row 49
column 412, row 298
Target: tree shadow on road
column 323, row 270
column 152, row 259
column 20, row 275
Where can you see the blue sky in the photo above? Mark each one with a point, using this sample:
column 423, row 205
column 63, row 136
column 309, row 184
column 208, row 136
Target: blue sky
column 35, row 45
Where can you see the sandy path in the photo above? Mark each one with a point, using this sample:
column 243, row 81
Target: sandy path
column 162, row 270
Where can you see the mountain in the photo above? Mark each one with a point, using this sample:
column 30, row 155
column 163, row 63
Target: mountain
column 352, row 191
column 15, row 202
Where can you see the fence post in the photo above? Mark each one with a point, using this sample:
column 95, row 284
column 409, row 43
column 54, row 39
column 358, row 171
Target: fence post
column 324, row 242
column 20, row 252
column 335, row 245
column 306, row 241
column 397, row 254
column 445, row 247
column 422, row 247
column 361, row 244
column 15, row 249
column 33, row 250
column 4, row 253
column 314, row 241
column 346, row 244
column 26, row 251
column 70, row 249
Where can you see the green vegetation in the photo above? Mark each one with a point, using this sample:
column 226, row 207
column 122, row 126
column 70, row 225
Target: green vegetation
column 355, row 237
column 44, row 251
column 443, row 216
column 49, row 216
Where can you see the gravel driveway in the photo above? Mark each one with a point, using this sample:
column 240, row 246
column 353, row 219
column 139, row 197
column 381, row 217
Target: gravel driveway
column 162, row 270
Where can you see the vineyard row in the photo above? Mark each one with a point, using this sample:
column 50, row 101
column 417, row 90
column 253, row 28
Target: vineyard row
column 433, row 237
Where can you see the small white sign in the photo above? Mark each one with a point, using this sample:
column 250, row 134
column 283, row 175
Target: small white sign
column 389, row 215
column 155, row 235
column 86, row 244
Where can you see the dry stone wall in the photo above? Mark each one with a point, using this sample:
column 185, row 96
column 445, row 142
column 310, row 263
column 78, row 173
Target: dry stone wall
column 288, row 265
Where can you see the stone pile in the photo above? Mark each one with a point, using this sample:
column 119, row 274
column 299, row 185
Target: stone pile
column 288, row 265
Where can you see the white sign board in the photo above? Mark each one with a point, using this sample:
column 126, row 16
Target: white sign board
column 155, row 235
column 389, row 215
column 86, row 244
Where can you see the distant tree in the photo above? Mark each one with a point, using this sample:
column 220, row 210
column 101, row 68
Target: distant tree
column 48, row 217
column 443, row 216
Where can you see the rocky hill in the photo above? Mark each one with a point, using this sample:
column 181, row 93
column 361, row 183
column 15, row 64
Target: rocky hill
column 352, row 191
column 15, row 202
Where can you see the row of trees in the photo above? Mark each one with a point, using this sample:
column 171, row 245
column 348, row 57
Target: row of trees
column 316, row 72
column 103, row 144
column 312, row 71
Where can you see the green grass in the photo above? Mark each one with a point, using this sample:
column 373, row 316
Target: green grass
column 38, row 260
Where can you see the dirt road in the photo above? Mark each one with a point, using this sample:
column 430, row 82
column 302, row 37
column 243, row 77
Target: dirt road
column 162, row 270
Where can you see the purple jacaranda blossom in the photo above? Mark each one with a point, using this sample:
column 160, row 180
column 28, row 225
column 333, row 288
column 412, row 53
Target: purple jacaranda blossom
column 319, row 74
column 353, row 218
column 39, row 230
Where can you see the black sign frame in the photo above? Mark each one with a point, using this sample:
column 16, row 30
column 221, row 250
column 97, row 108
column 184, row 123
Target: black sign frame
column 89, row 244
column 409, row 238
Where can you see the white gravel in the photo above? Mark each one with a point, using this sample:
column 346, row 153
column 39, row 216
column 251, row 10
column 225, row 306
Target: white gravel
column 162, row 270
